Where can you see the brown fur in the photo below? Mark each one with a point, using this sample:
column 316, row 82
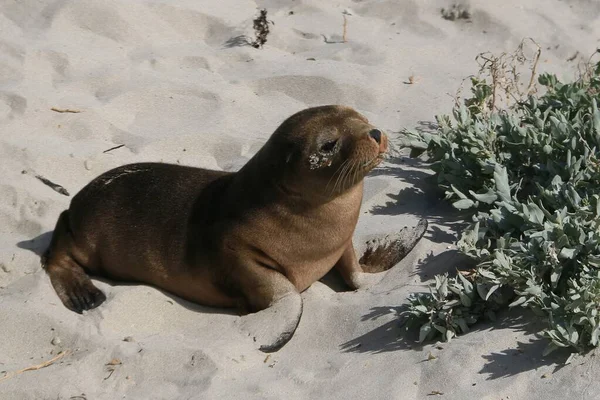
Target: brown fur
column 252, row 239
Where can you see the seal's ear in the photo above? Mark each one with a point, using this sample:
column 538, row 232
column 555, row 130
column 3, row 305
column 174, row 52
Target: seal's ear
column 290, row 151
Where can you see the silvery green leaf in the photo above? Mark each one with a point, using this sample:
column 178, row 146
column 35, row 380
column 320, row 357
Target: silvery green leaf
column 451, row 303
column 561, row 331
column 594, row 260
column 464, row 114
column 439, row 328
column 462, row 324
column 422, row 309
column 491, row 291
column 536, row 214
column 463, row 204
column 594, row 336
column 562, row 241
column 458, row 192
column 596, row 117
column 465, row 300
column 424, row 332
column 534, row 290
column 570, row 358
column 574, row 336
column 442, row 285
column 502, row 185
column 489, row 197
column 519, row 301
column 486, row 274
column 468, row 286
column 566, row 252
column 481, row 290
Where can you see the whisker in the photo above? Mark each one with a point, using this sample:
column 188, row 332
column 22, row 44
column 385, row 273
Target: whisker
column 334, row 174
column 350, row 175
column 342, row 175
column 357, row 171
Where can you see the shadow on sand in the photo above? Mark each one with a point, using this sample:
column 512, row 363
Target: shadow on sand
column 393, row 336
column 422, row 198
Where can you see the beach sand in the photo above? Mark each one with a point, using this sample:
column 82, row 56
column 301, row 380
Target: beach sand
column 173, row 81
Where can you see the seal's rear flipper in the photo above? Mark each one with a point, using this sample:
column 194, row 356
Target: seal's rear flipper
column 71, row 283
column 383, row 253
column 74, row 288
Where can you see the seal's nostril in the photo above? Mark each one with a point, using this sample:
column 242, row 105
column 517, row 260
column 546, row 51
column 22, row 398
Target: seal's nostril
column 376, row 134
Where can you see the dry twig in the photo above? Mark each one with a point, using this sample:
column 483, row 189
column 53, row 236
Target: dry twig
column 36, row 367
column 54, row 186
column 113, row 148
column 65, row 110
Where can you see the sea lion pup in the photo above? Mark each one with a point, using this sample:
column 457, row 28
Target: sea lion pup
column 254, row 239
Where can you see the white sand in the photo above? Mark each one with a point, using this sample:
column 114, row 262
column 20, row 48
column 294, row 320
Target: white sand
column 158, row 77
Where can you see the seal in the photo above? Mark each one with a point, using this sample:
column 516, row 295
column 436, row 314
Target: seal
column 252, row 239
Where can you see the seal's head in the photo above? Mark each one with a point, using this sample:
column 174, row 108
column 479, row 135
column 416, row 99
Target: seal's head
column 329, row 148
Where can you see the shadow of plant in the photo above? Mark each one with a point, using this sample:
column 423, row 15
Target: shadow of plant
column 238, row 41
column 526, row 356
column 447, row 262
column 390, row 336
column 393, row 336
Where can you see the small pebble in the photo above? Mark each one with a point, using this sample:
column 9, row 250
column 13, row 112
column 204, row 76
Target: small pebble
column 87, row 164
column 55, row 341
column 128, row 339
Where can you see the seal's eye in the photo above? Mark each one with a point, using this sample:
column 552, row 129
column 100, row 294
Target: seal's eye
column 329, row 146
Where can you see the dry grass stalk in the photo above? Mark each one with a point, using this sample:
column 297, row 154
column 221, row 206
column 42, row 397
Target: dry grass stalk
column 36, row 367
column 505, row 72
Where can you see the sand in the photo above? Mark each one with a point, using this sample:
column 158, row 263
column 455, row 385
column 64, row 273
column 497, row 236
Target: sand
column 172, row 81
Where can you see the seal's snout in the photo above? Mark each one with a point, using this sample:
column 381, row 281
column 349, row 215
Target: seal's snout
column 380, row 138
column 375, row 135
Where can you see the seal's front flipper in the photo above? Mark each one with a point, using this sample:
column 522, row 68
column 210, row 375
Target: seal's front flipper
column 275, row 303
column 383, row 253
column 274, row 326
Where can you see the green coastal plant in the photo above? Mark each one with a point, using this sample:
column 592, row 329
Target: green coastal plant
column 527, row 168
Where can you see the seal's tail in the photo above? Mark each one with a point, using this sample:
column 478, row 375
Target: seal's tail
column 72, row 285
column 383, row 253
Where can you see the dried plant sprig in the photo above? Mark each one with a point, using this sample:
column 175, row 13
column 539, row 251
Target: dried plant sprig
column 261, row 29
